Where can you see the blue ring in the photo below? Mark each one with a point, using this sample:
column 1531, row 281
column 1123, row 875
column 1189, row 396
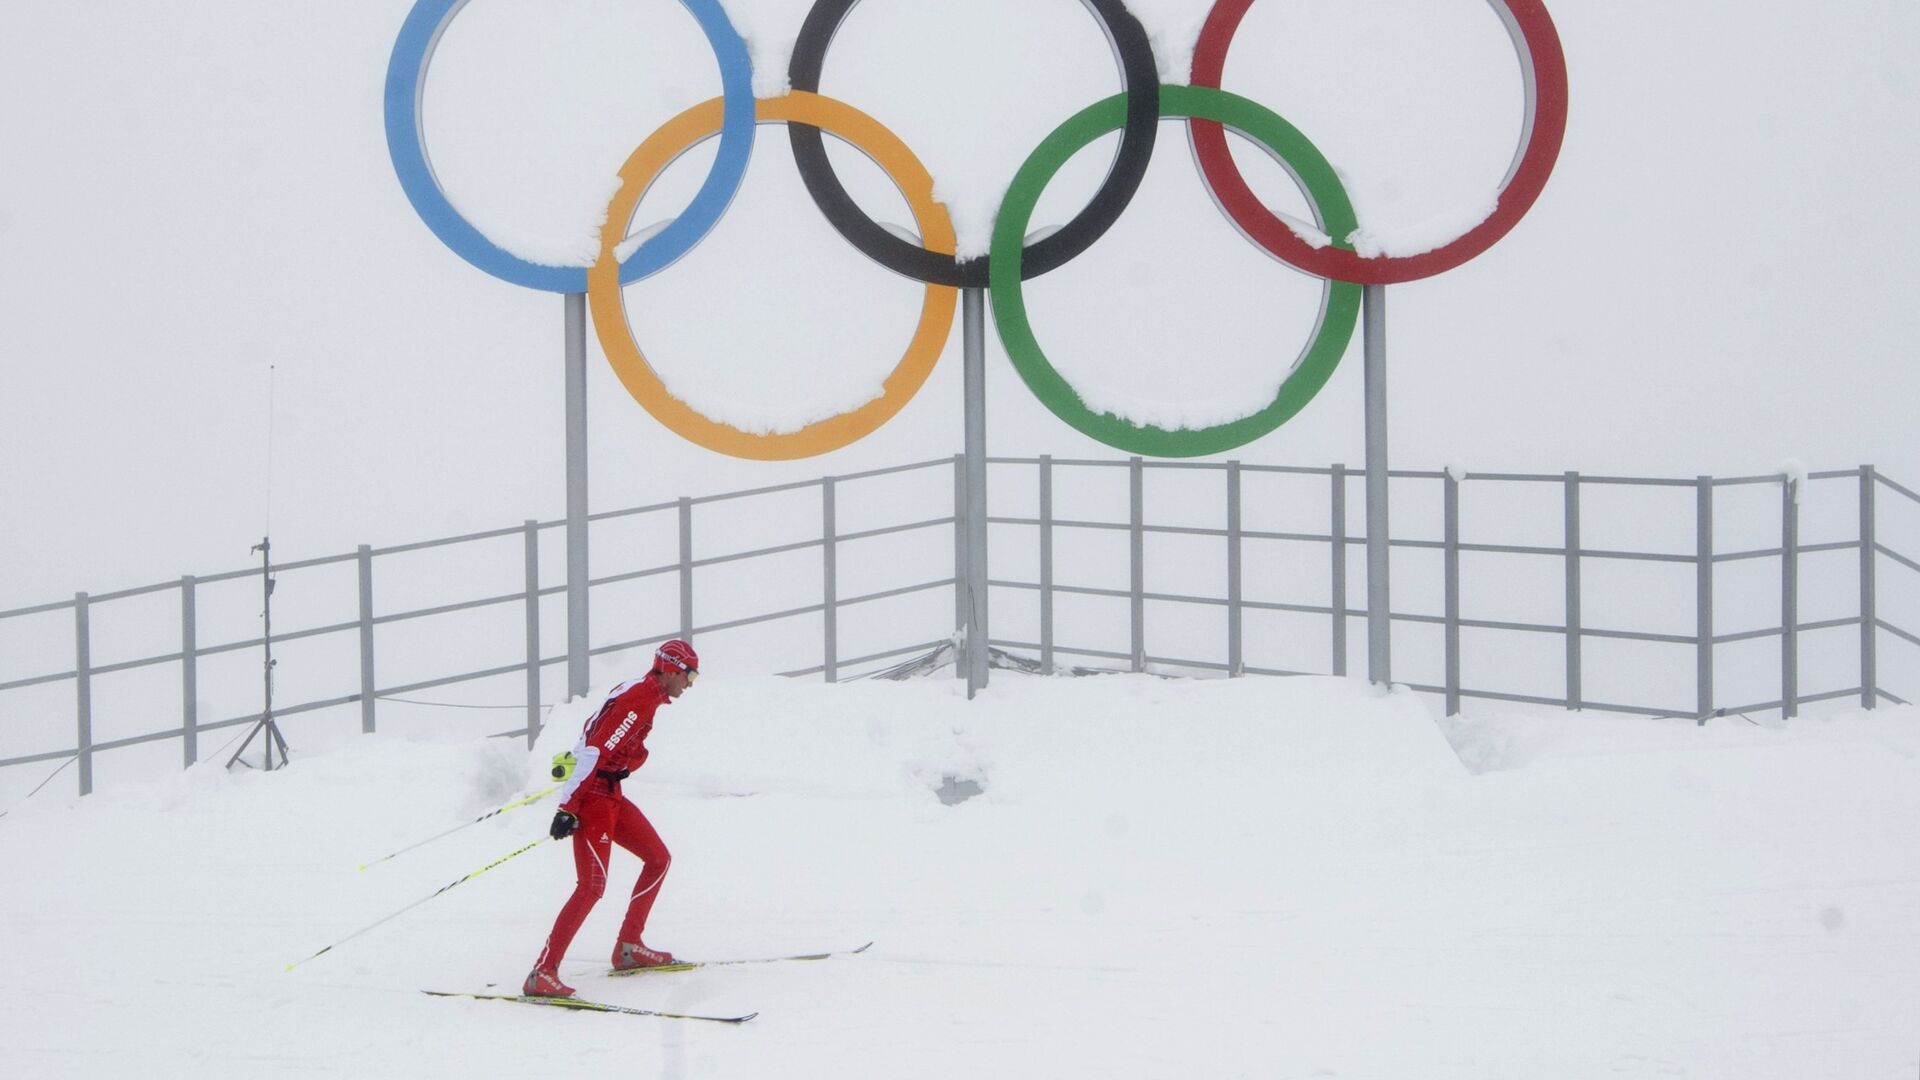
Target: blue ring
column 406, row 84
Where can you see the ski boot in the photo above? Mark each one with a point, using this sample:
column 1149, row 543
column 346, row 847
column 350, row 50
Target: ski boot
column 546, row 984
column 629, row 955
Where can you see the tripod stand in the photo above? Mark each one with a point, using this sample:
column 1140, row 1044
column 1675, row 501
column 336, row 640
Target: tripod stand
column 265, row 723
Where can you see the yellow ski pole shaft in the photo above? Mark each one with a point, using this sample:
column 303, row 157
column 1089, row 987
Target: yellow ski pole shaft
column 514, row 805
column 422, row 900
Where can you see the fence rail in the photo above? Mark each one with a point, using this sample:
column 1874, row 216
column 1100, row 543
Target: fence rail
column 1572, row 552
column 1576, row 558
column 366, row 558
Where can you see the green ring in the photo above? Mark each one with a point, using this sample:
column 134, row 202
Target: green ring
column 1339, row 302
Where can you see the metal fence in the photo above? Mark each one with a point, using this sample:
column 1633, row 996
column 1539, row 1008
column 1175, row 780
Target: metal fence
column 1573, row 556
column 371, row 625
column 1219, row 515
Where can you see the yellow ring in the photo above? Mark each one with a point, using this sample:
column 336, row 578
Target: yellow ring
column 609, row 306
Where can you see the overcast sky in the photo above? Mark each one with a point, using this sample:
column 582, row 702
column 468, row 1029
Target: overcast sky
column 1718, row 276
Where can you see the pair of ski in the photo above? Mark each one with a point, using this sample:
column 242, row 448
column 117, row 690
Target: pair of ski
column 581, row 1005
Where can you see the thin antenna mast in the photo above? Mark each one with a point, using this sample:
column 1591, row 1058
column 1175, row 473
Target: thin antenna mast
column 269, row 513
column 265, row 548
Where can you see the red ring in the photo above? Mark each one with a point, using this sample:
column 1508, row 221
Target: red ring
column 1546, row 78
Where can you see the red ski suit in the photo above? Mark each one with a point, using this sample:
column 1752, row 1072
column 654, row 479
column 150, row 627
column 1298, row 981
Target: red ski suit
column 612, row 744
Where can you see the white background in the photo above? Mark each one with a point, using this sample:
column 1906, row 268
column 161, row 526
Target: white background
column 1716, row 279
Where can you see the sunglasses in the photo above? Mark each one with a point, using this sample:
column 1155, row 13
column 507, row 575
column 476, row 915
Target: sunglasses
column 692, row 673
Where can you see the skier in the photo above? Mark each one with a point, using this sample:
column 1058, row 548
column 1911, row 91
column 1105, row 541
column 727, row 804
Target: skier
column 597, row 816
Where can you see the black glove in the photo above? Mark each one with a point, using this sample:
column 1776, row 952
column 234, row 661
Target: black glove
column 563, row 825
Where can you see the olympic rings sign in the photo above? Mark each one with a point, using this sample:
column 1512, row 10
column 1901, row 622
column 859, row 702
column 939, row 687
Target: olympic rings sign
column 1135, row 113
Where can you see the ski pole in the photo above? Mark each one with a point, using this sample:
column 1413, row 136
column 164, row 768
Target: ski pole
column 422, row 900
column 514, row 805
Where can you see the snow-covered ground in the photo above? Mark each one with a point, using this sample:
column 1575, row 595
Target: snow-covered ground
column 1161, row 878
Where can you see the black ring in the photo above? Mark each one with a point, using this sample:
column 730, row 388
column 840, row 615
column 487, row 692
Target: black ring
column 1142, row 84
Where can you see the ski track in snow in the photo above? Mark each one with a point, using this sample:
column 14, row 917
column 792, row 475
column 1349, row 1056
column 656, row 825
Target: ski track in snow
column 1276, row 878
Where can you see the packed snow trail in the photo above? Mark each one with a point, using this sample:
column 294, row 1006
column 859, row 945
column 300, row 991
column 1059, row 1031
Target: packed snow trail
column 1160, row 877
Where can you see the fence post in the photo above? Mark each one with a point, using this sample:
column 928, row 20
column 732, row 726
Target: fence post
column 83, row 691
column 1046, row 563
column 1338, row 534
column 828, row 584
column 1136, row 498
column 1235, row 643
column 1789, row 597
column 1451, row 538
column 686, row 568
column 189, row 676
column 1869, row 612
column 367, row 693
column 530, row 531
column 1573, row 588
column 1703, row 597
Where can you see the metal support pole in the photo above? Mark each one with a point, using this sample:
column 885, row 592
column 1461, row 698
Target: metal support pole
column 1869, row 614
column 367, row 691
column 1789, row 598
column 1046, row 563
column 974, row 340
column 189, row 674
column 578, row 676
column 1137, row 604
column 828, row 585
column 269, row 730
column 1450, row 534
column 1338, row 532
column 1703, row 598
column 530, row 533
column 1572, row 535
column 1236, row 660
column 1379, row 594
column 83, row 691
column 960, row 564
column 265, row 727
column 686, row 568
